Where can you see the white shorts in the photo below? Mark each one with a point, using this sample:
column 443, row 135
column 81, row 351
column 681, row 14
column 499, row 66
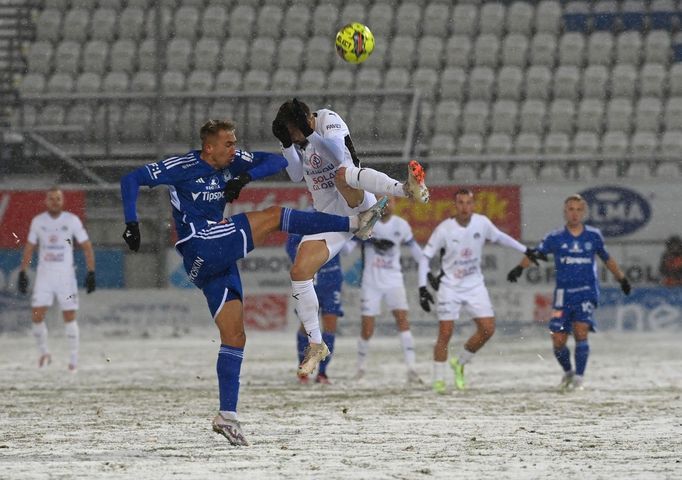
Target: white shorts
column 50, row 285
column 371, row 297
column 475, row 300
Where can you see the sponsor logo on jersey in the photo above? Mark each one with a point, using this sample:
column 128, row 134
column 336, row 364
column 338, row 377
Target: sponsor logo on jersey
column 616, row 211
column 576, row 260
column 154, row 170
column 188, row 165
column 332, row 126
column 477, row 235
column 200, row 180
column 575, row 248
column 208, row 196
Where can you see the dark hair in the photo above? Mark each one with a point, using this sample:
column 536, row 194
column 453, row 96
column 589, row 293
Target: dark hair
column 212, row 127
column 464, row 191
column 285, row 114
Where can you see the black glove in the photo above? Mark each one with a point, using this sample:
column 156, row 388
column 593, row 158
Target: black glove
column 434, row 281
column 280, row 130
column 534, row 255
column 90, row 282
column 23, row 282
column 234, row 186
column 425, row 298
column 382, row 244
column 132, row 236
column 625, row 286
column 515, row 273
column 301, row 119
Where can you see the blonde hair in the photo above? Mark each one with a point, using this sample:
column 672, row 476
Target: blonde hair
column 576, row 197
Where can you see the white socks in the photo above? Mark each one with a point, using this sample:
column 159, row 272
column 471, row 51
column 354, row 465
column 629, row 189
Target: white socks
column 40, row 334
column 407, row 341
column 439, row 370
column 72, row 340
column 374, row 182
column 363, row 350
column 465, row 357
column 307, row 307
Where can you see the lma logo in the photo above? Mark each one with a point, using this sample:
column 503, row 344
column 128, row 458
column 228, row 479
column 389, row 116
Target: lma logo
column 616, row 211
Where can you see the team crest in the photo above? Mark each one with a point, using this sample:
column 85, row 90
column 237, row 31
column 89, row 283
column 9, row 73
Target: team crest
column 315, row 161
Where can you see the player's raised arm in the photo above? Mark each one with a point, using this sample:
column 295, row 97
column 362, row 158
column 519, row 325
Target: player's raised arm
column 496, row 235
column 251, row 166
column 294, row 163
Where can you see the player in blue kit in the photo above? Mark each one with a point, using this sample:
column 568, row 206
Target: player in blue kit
column 328, row 284
column 577, row 288
column 200, row 184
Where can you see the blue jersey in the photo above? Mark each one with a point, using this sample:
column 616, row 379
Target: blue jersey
column 196, row 189
column 576, row 268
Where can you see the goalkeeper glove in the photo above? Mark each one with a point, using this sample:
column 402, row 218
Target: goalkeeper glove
column 90, row 282
column 625, row 285
column 434, row 281
column 534, row 255
column 23, row 282
column 234, row 186
column 301, row 119
column 425, row 299
column 514, row 274
column 280, row 130
column 131, row 235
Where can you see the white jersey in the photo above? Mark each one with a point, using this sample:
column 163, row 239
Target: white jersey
column 463, row 246
column 382, row 266
column 320, row 164
column 54, row 237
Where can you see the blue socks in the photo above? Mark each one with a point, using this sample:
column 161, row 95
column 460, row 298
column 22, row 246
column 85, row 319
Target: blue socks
column 563, row 356
column 228, row 367
column 582, row 351
column 301, row 343
column 327, row 338
column 309, row 223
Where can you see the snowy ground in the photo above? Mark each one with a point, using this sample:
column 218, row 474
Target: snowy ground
column 141, row 408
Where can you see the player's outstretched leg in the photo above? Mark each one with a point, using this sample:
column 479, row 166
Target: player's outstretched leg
column 379, row 183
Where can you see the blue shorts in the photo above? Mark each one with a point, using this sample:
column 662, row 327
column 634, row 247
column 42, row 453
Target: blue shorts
column 328, row 287
column 563, row 318
column 210, row 260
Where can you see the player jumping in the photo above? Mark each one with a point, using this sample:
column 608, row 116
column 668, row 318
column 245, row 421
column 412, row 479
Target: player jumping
column 319, row 150
column 577, row 289
column 200, row 183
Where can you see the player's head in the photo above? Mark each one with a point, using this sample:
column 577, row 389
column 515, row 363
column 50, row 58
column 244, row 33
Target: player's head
column 218, row 142
column 54, row 201
column 285, row 114
column 464, row 205
column 575, row 208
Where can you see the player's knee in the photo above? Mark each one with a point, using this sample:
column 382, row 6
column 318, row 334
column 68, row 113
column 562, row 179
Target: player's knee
column 488, row 330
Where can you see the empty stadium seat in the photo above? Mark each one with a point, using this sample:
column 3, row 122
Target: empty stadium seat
column 561, row 114
column 186, row 22
column 228, row 80
column 178, row 54
column 290, row 53
column 576, row 16
column 32, row 83
column 527, row 144
column 600, row 48
column 269, row 21
column 514, row 50
column 632, row 16
column 48, row 25
column 548, row 16
column 662, row 14
column 657, row 47
column 206, row 54
column 509, row 83
column 40, row 57
column 442, row 144
column 213, row 22
column 284, row 79
column 475, row 117
column 447, row 117
column 60, row 83
column 619, row 115
column 571, row 49
column 426, row 80
column 81, row 114
column 590, row 115
column 503, row 117
column 312, row 79
column 262, row 53
column 380, row 17
column 436, row 19
column 402, row 52
column 146, row 55
column 671, row 143
column 52, row 114
column 481, row 81
column 130, row 23
column 103, row 24
column 673, row 114
column 623, row 81
column 486, row 50
column 470, row 144
column 368, row 78
column 341, row 79
column 458, row 51
column 522, row 172
column 532, row 116
column 115, row 82
column 520, row 18
column 200, row 81
column 604, row 15
column 648, row 115
column 319, row 53
column 629, row 48
column 464, row 19
column 325, row 20
column 585, row 143
column 652, row 80
column 644, row 143
column 538, row 80
column 353, row 11
column 95, row 56
column 498, row 144
column 492, row 18
column 235, row 53
column 543, row 49
column 150, row 22
column 452, row 82
column 67, row 57
column 363, row 122
column 136, row 122
column 614, row 143
column 675, row 80
column 296, row 21
column 430, row 50
column 595, row 81
column 241, row 20
column 257, row 80
column 392, row 124
column 144, row 82
column 173, row 81
column 408, row 19
column 565, row 84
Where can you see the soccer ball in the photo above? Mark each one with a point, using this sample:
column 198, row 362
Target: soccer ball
column 354, row 43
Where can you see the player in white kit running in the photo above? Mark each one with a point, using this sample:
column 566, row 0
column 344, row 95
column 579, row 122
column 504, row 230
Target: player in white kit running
column 53, row 231
column 382, row 281
column 461, row 286
column 319, row 150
